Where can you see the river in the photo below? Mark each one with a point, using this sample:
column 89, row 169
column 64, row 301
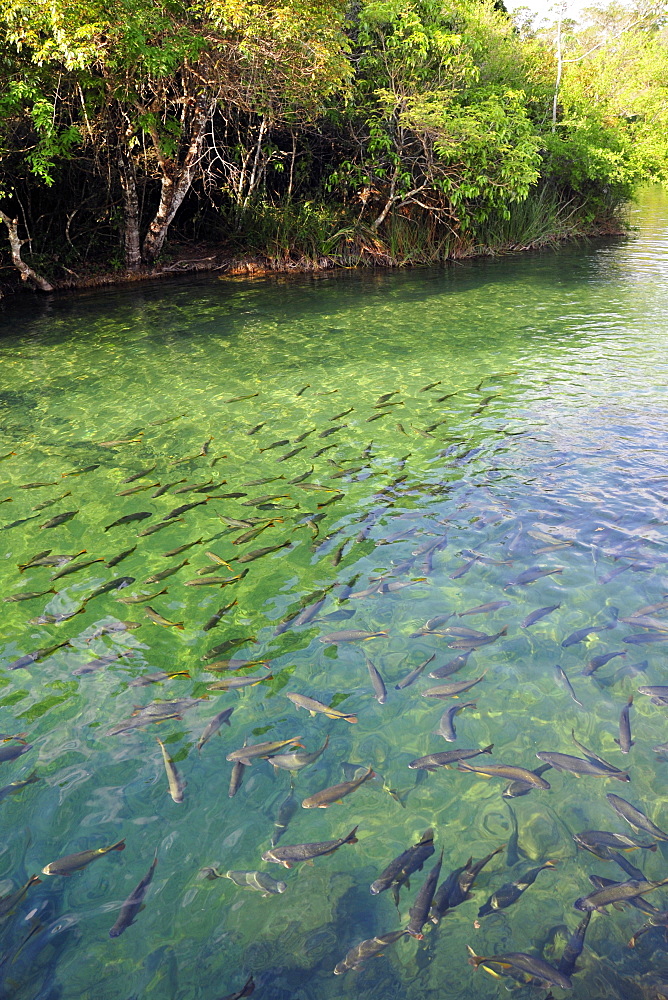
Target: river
column 407, row 446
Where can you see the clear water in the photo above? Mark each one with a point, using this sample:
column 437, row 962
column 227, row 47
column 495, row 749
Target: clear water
column 555, row 427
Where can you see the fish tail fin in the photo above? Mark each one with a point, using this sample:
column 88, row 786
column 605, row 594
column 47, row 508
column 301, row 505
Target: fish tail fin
column 35, row 880
column 120, row 846
column 351, row 838
column 552, row 864
column 427, row 837
column 350, row 718
column 652, row 848
column 488, row 749
column 474, row 959
column 630, row 701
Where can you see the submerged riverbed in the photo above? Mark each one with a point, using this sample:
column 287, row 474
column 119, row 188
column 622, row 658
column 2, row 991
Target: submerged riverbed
column 407, row 446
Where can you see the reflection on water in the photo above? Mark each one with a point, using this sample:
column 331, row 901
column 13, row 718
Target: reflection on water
column 352, row 453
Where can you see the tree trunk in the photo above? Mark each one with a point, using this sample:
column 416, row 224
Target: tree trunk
column 27, row 272
column 131, row 214
column 175, row 183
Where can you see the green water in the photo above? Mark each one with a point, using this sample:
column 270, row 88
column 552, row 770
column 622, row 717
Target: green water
column 553, row 433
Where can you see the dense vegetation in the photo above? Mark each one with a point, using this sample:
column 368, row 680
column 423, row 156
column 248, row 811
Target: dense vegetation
column 144, row 132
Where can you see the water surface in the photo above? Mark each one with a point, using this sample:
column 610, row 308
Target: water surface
column 541, row 443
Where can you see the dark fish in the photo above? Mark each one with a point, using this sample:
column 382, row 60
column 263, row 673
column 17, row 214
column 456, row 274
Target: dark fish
column 509, row 771
column 531, row 574
column 313, row 706
column 175, row 782
column 634, row 817
column 118, row 584
column 136, row 598
column 11, row 752
column 59, row 519
column 136, row 489
column 34, row 561
column 216, row 581
column 321, row 451
column 139, row 516
column 647, row 637
column 432, row 761
column 225, row 647
column 157, row 527
column 235, row 664
column 249, row 752
column 167, row 486
column 139, row 475
column 657, row 692
column 36, row 656
column 513, row 849
column 411, row 860
column 328, row 796
column 199, row 487
column 365, row 950
column 518, row 788
column 17, row 524
column 414, row 674
column 80, row 472
column 49, row 503
column 590, row 755
column 451, row 690
column 115, row 560
column 456, row 888
column 27, row 596
column 475, row 642
column 35, row 486
column 236, row 778
column 601, row 842
column 133, row 904
column 599, row 661
column 293, row 854
column 229, row 683
column 578, row 766
column 12, row 899
column 255, row 429
column 297, row 759
column 180, row 510
column 535, row 616
column 258, row 553
column 239, row 399
column 75, row 862
column 463, row 570
column 620, row 892
column 331, row 430
column 75, row 568
column 351, row 635
column 526, row 968
column 483, row 609
column 446, row 727
column 16, row 786
column 98, row 664
column 181, row 548
column 561, row 676
column 286, row 811
column 276, row 444
column 419, row 911
column 452, row 666
column 291, row 454
column 165, row 573
column 625, row 742
column 510, row 892
column 573, row 948
column 377, row 682
column 213, row 621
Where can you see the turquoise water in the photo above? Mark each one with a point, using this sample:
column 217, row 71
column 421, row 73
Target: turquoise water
column 548, row 450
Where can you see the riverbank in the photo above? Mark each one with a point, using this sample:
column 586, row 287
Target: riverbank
column 355, row 250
